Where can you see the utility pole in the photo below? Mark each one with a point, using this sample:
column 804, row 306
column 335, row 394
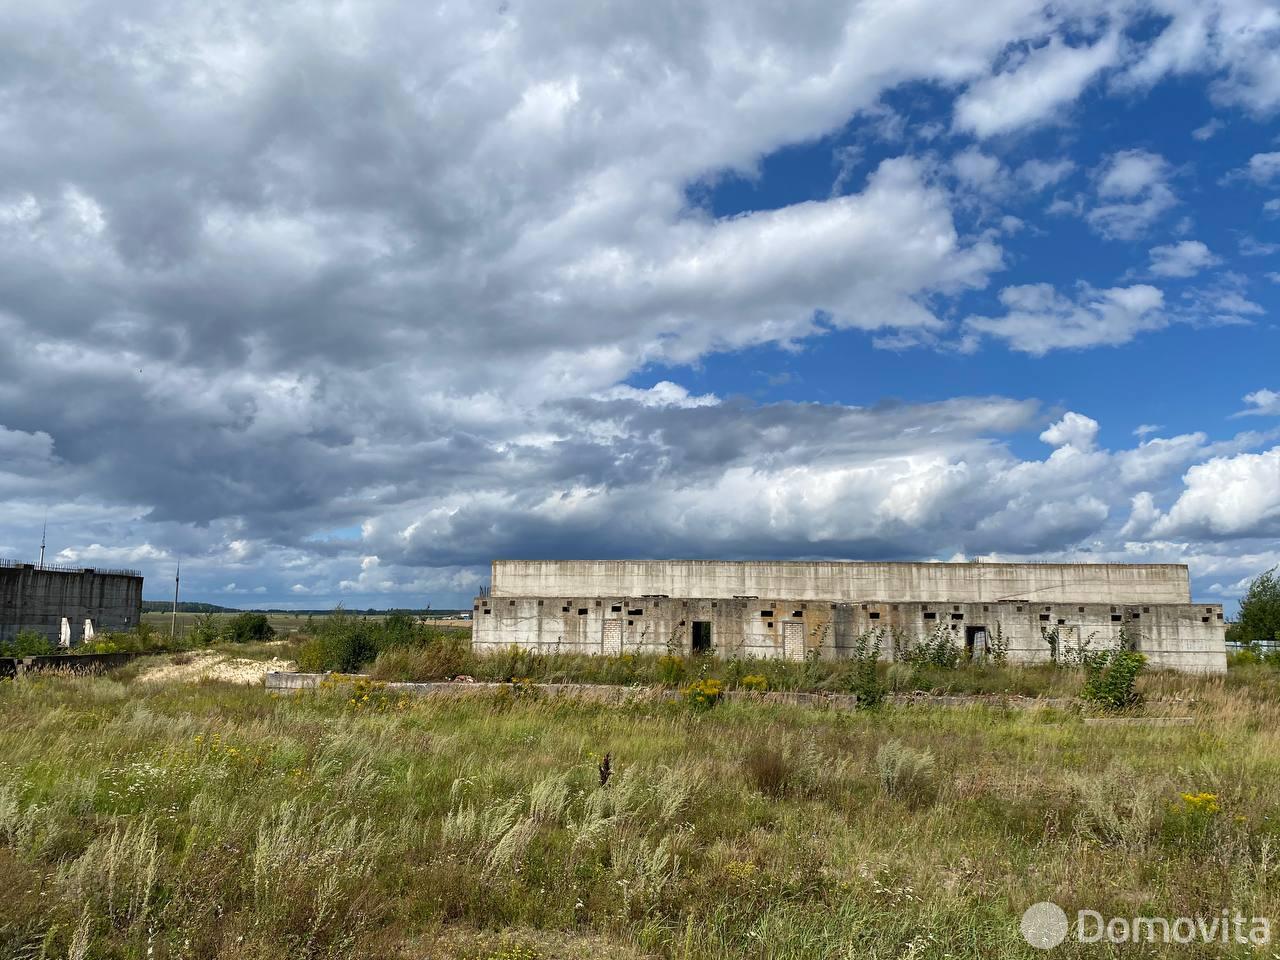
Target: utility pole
column 173, row 617
column 42, row 538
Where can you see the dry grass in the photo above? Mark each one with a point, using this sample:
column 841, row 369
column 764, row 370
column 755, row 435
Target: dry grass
column 208, row 820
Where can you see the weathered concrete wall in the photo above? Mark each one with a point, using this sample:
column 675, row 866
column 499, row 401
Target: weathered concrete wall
column 32, row 599
column 855, row 582
column 1180, row 636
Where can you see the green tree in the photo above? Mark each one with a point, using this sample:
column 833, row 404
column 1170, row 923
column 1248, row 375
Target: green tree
column 249, row 628
column 1260, row 609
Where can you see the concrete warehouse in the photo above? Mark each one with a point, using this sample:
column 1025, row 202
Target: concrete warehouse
column 67, row 604
column 796, row 609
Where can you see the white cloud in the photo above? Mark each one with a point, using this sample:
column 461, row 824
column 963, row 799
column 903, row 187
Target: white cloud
column 1183, row 259
column 1227, row 497
column 1261, row 403
column 1031, row 93
column 1206, row 131
column 1039, row 319
column 1134, row 183
column 1073, row 430
column 1263, row 167
column 1039, row 174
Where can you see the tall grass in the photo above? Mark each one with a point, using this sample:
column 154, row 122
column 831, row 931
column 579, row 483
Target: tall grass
column 207, row 820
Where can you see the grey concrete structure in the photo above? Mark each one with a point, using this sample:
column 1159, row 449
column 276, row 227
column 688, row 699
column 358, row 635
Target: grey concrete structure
column 40, row 598
column 798, row 609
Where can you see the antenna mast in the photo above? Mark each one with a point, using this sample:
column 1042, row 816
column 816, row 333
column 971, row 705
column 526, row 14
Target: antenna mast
column 42, row 537
column 173, row 617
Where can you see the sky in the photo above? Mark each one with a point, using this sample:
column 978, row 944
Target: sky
column 336, row 303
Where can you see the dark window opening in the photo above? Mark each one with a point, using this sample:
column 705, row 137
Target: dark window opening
column 985, row 608
column 769, row 624
column 487, row 612
column 1146, row 609
column 1079, row 609
column 1219, row 616
column 582, row 611
column 895, row 606
column 682, row 623
column 1115, row 618
column 1062, row 623
column 539, row 603
column 956, row 609
column 598, row 603
column 1137, row 616
column 1044, row 617
column 1204, row 619
column 638, row 612
column 875, row 614
column 797, row 613
column 929, row 615
column 713, row 604
column 1019, row 609
column 701, row 636
column 511, row 603
column 476, row 607
column 565, row 608
column 766, row 613
column 631, row 623
column 957, row 616
column 616, row 608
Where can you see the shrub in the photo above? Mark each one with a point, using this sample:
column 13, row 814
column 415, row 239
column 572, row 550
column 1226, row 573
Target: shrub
column 936, row 650
column 755, row 682
column 906, row 774
column 670, row 669
column 864, row 681
column 28, row 643
column 249, row 628
column 704, row 694
column 443, row 659
column 205, row 630
column 1111, row 679
column 997, row 646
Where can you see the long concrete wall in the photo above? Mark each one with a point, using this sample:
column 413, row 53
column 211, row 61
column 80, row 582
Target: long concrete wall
column 1187, row 637
column 924, row 582
column 38, row 599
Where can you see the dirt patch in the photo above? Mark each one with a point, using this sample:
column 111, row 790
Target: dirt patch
column 189, row 668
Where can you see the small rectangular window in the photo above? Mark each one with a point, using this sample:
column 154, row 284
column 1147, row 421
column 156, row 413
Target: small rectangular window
column 930, row 615
column 1115, row 618
column 511, row 603
column 875, row 614
column 1062, row 623
column 616, row 608
column 956, row 609
column 582, row 611
column 638, row 612
column 1204, row 619
column 797, row 613
column 565, row 608
column 1146, row 609
column 487, row 612
column 539, row 603
column 1044, row 617
column 957, row 616
column 985, row 608
column 766, row 613
column 1019, row 609
column 1079, row 609
column 631, row 623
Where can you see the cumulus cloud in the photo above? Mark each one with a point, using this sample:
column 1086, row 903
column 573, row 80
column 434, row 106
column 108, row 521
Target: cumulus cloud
column 1227, row 497
column 1038, row 319
column 1183, row 259
column 348, row 299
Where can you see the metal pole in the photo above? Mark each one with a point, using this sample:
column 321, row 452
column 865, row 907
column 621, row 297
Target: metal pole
column 173, row 617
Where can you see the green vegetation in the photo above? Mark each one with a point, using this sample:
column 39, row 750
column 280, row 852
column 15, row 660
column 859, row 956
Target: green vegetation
column 1259, row 620
column 207, row 820
column 28, row 643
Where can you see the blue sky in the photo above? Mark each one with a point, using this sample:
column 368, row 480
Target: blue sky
column 336, row 305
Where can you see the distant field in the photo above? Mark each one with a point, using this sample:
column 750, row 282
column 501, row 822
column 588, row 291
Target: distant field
column 282, row 623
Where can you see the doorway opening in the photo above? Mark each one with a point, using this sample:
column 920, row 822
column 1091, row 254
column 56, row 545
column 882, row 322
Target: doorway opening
column 702, row 636
column 975, row 642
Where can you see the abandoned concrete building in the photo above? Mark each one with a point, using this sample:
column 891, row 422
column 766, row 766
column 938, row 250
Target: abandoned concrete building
column 67, row 605
column 800, row 609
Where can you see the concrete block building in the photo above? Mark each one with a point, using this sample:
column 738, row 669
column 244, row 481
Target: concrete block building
column 798, row 609
column 66, row 603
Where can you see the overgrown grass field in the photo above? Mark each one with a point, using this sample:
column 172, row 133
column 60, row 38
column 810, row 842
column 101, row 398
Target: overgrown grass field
column 208, row 820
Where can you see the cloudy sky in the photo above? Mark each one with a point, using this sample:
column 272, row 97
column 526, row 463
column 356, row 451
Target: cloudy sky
column 338, row 302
